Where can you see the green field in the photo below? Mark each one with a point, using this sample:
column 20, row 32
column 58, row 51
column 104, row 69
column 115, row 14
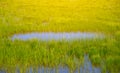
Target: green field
column 23, row 16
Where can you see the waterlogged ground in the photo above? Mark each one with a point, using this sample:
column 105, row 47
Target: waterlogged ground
column 18, row 17
column 34, row 53
column 86, row 67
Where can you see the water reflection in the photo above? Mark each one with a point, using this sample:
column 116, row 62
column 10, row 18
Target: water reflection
column 56, row 36
column 85, row 68
column 2, row 71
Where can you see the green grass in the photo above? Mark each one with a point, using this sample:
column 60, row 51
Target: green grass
column 54, row 53
column 21, row 16
column 46, row 16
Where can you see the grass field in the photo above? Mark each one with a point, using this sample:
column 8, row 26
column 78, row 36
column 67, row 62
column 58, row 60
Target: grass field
column 68, row 15
column 21, row 16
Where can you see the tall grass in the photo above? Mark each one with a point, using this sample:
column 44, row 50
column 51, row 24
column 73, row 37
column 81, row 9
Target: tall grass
column 20, row 16
column 68, row 15
column 55, row 53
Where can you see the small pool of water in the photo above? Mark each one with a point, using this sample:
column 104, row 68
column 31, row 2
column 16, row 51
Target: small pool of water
column 86, row 67
column 56, row 36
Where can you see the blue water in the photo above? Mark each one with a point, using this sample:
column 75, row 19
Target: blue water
column 56, row 36
column 85, row 68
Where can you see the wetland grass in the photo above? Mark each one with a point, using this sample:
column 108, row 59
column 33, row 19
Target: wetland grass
column 55, row 53
column 24, row 16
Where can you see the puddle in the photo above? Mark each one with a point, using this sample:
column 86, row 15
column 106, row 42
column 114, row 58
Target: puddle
column 56, row 36
column 85, row 68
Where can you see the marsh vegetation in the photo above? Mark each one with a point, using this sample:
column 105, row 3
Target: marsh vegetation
column 44, row 16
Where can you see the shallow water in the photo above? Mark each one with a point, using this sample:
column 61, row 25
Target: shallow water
column 56, row 36
column 85, row 68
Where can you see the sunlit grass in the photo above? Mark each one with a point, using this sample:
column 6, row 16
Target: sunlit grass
column 68, row 15
column 21, row 16
column 103, row 53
